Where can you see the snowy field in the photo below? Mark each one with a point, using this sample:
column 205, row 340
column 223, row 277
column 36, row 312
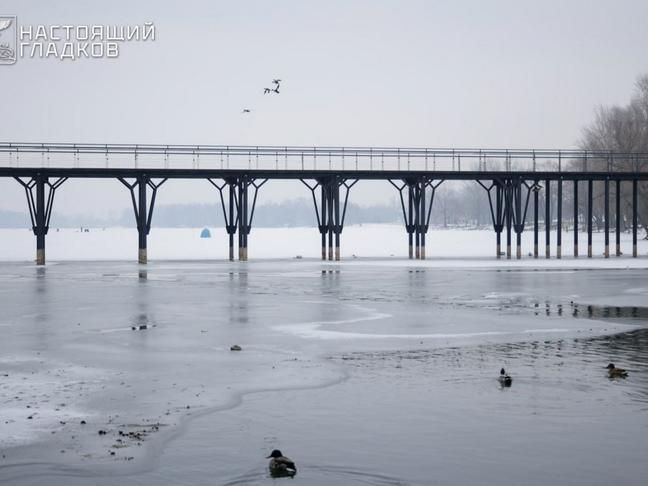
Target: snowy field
column 444, row 247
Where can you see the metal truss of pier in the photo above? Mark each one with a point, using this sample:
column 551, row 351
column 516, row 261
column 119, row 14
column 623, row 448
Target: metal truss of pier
column 511, row 179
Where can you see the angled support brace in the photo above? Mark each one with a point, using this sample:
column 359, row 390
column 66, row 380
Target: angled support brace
column 330, row 213
column 339, row 218
column 425, row 211
column 40, row 208
column 246, row 212
column 230, row 210
column 519, row 208
column 408, row 213
column 497, row 210
column 320, row 212
column 143, row 217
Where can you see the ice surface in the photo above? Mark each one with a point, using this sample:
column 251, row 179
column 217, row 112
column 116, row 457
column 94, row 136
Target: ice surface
column 341, row 364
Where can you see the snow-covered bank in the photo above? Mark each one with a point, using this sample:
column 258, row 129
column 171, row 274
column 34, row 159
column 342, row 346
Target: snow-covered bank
column 444, row 247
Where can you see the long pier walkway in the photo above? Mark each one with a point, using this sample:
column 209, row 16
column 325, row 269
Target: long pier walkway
column 510, row 178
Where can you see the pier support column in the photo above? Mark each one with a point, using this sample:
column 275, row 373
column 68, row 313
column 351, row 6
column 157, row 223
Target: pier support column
column 417, row 211
column 330, row 212
column 508, row 215
column 617, row 219
column 575, row 219
column 40, row 208
column 634, row 218
column 590, row 196
column 422, row 220
column 606, row 205
column 559, row 220
column 325, row 223
column 517, row 209
column 411, row 226
column 536, row 191
column 246, row 211
column 143, row 216
column 424, row 210
column 547, row 219
column 230, row 208
column 497, row 210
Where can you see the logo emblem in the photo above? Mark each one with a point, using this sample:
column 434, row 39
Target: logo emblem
column 8, row 39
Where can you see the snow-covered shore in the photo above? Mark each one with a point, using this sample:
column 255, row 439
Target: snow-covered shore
column 445, row 247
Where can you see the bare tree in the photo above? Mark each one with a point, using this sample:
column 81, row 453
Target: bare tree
column 622, row 129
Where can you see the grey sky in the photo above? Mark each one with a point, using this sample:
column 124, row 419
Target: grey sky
column 424, row 73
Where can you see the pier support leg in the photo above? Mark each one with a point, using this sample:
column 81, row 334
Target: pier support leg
column 606, row 205
column 40, row 208
column 142, row 229
column 497, row 210
column 337, row 222
column 508, row 216
column 325, row 223
column 617, row 219
column 634, row 218
column 575, row 219
column 417, row 211
column 143, row 216
column 412, row 227
column 536, row 191
column 231, row 222
column 547, row 219
column 422, row 224
column 500, row 215
column 559, row 220
column 330, row 212
column 518, row 210
column 230, row 209
column 332, row 225
column 246, row 211
column 590, row 196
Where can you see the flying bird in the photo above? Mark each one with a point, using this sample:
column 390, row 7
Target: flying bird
column 276, row 88
column 245, row 110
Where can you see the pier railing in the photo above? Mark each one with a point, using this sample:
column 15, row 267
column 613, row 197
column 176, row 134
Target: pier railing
column 239, row 157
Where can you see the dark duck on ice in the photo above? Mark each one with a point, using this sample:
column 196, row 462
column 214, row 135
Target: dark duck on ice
column 280, row 466
column 614, row 372
column 504, row 378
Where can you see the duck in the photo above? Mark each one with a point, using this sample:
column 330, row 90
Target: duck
column 504, row 378
column 614, row 372
column 281, row 466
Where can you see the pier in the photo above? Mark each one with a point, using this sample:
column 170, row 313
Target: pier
column 512, row 180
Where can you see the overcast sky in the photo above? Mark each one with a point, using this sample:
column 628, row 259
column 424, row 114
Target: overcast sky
column 446, row 73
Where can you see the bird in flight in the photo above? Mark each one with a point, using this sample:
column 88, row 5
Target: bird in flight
column 245, row 110
column 276, row 82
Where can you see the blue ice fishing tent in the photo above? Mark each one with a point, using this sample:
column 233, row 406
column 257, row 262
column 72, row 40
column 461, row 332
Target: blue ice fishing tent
column 205, row 233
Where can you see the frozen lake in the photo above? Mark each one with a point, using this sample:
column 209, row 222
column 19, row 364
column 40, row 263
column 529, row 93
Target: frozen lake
column 364, row 372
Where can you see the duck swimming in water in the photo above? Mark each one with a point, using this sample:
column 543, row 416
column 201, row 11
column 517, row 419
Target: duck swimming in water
column 281, row 466
column 504, row 378
column 614, row 372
